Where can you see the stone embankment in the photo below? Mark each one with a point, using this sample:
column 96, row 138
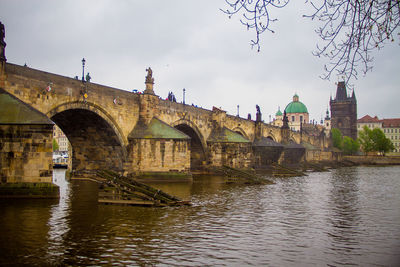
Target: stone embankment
column 373, row 160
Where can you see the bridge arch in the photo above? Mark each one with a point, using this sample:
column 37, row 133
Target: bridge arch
column 271, row 137
column 241, row 132
column 97, row 141
column 197, row 144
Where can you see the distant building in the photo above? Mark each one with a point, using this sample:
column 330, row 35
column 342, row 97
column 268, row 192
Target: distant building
column 296, row 113
column 327, row 124
column 61, row 139
column 278, row 121
column 390, row 127
column 369, row 122
column 344, row 111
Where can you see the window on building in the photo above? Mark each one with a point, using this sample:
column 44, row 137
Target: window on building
column 301, row 118
column 392, row 130
column 292, row 118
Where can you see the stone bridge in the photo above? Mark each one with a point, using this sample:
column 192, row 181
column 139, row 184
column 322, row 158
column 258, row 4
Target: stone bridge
column 140, row 132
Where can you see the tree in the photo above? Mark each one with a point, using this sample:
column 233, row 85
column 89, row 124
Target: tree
column 381, row 142
column 336, row 138
column 350, row 146
column 365, row 140
column 55, row 145
column 349, row 29
column 375, row 140
column 345, row 143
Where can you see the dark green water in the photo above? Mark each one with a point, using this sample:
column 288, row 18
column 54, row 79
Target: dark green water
column 349, row 216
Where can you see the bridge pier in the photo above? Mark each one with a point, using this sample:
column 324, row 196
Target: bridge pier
column 266, row 152
column 158, row 150
column 26, row 158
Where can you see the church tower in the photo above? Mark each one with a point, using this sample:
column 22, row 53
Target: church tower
column 344, row 111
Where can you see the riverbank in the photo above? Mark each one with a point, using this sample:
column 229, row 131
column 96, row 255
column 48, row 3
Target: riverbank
column 373, row 160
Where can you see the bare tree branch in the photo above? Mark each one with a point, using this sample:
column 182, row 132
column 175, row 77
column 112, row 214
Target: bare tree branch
column 350, row 30
column 256, row 15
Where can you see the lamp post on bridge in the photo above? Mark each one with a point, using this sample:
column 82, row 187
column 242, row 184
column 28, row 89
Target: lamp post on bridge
column 184, row 90
column 238, row 110
column 83, row 69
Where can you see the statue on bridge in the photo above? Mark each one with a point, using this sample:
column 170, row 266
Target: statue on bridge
column 149, row 82
column 149, row 77
column 2, row 43
column 258, row 114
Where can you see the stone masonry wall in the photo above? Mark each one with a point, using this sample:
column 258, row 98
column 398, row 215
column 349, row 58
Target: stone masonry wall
column 159, row 155
column 235, row 155
column 292, row 155
column 26, row 153
column 265, row 156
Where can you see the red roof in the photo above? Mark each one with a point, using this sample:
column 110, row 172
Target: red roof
column 391, row 123
column 369, row 119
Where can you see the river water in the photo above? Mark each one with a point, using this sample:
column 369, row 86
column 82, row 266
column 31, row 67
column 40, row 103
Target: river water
column 348, row 216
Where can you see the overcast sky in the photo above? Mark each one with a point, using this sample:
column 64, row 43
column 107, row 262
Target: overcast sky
column 190, row 44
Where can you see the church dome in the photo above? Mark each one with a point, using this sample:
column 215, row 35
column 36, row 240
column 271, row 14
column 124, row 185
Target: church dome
column 279, row 112
column 296, row 106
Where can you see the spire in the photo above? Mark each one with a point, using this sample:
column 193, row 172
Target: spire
column 353, row 95
column 341, row 93
column 327, row 114
column 279, row 112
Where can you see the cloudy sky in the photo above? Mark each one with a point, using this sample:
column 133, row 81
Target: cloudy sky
column 190, row 44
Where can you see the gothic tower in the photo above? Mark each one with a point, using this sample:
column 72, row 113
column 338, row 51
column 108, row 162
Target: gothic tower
column 344, row 111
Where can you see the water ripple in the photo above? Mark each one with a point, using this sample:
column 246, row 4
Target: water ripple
column 348, row 216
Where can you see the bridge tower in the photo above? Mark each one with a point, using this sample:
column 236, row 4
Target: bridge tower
column 344, row 111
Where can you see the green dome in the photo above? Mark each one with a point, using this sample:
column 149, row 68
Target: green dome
column 279, row 113
column 296, row 106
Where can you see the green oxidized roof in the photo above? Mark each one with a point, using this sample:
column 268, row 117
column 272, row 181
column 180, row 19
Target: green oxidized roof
column 266, row 142
column 156, row 129
column 14, row 111
column 296, row 106
column 279, row 113
column 309, row 146
column 225, row 135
